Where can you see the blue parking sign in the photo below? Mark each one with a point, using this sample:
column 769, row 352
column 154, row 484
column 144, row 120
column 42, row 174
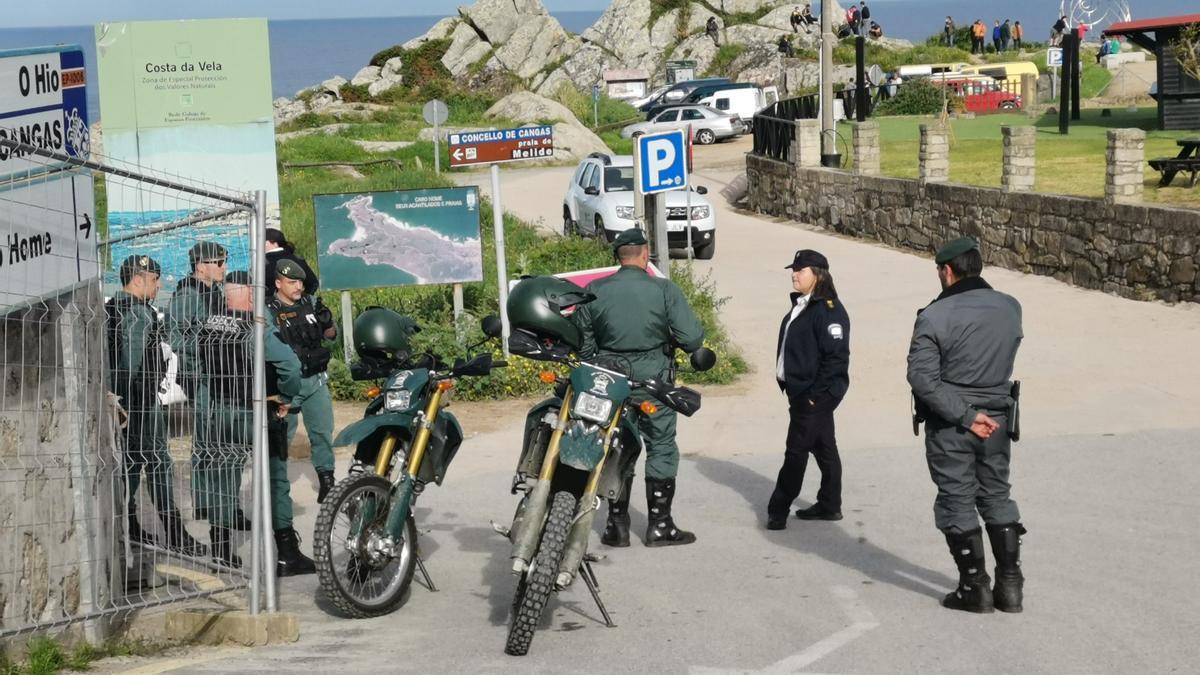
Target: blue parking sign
column 663, row 160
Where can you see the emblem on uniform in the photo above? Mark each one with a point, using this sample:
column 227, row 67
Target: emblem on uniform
column 600, row 384
column 835, row 331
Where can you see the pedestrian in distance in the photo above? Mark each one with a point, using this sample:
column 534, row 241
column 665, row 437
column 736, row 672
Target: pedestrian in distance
column 639, row 320
column 960, row 365
column 796, row 19
column 1005, row 34
column 977, row 33
column 948, row 32
column 1057, row 31
column 785, row 46
column 864, row 17
column 812, row 365
column 137, row 365
column 279, row 248
column 711, row 29
column 807, row 17
column 1018, row 35
column 852, row 19
column 876, row 31
column 997, row 34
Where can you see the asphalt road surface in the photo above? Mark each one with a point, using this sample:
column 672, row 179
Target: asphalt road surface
column 1106, row 477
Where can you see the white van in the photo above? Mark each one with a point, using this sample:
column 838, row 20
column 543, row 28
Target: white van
column 742, row 102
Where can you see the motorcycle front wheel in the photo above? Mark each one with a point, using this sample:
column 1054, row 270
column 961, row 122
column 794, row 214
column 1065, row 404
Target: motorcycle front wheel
column 361, row 570
column 534, row 588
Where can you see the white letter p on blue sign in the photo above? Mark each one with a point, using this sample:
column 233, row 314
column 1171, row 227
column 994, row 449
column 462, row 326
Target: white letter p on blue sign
column 663, row 162
column 661, row 158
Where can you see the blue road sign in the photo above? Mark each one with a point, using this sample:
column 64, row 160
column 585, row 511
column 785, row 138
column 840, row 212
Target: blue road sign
column 663, row 159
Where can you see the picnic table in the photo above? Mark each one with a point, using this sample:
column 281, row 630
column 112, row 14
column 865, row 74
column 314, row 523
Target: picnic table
column 1188, row 160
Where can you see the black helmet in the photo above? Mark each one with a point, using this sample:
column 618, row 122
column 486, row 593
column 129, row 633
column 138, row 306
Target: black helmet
column 542, row 305
column 380, row 333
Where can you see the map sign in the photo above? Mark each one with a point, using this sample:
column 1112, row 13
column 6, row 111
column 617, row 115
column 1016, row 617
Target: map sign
column 398, row 238
column 502, row 145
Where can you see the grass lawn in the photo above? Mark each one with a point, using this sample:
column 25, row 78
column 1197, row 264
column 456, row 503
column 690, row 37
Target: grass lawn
column 1072, row 164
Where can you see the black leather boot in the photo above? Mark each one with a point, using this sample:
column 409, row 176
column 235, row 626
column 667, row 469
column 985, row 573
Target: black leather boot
column 974, row 592
column 137, row 535
column 223, row 550
column 240, row 522
column 661, row 530
column 290, row 561
column 178, row 539
column 617, row 532
column 325, row 484
column 1006, row 547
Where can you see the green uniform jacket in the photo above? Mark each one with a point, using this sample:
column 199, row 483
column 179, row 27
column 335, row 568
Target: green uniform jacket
column 138, row 332
column 284, row 361
column 639, row 317
column 191, row 304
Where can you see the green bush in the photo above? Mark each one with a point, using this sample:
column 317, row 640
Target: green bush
column 917, row 96
column 424, row 64
column 611, row 111
column 724, row 58
column 355, row 93
column 660, row 7
column 386, row 55
column 889, row 59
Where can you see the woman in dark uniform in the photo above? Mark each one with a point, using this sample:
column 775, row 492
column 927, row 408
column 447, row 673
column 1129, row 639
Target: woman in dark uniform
column 812, row 367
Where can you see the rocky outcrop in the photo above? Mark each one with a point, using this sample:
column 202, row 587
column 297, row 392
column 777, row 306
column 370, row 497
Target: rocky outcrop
column 440, row 30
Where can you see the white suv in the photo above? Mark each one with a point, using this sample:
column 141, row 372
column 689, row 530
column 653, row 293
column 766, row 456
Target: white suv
column 599, row 203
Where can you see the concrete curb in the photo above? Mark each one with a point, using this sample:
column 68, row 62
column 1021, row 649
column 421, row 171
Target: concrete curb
column 222, row 626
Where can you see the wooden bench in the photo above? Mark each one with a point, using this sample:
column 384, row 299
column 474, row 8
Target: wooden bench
column 1187, row 161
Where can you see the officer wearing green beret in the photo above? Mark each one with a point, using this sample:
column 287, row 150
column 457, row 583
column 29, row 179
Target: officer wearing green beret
column 136, row 367
column 304, row 323
column 642, row 319
column 960, row 365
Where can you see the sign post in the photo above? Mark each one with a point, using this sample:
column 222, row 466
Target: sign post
column 436, row 113
column 347, row 328
column 661, row 167
column 595, row 106
column 501, row 263
column 1054, row 60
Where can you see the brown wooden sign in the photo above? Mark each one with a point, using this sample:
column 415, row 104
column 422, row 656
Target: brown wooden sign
column 501, row 145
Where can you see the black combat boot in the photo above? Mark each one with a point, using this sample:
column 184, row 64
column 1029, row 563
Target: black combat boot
column 1006, row 547
column 240, row 522
column 290, row 561
column 974, row 592
column 617, row 532
column 661, row 530
column 178, row 539
column 223, row 550
column 137, row 535
column 325, row 482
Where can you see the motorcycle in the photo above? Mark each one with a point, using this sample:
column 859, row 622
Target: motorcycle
column 365, row 544
column 578, row 447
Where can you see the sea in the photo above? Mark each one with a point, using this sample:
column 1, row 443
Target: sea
column 304, row 53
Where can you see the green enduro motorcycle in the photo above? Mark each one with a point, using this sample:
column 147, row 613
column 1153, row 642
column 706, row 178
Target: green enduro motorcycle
column 365, row 544
column 578, row 447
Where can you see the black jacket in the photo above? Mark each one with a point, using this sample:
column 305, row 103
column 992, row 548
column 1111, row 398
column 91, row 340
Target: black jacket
column 311, row 283
column 817, row 352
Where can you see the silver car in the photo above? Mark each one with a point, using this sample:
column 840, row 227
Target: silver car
column 708, row 125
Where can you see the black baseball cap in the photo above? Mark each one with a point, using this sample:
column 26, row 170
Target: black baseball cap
column 239, row 277
column 135, row 264
column 807, row 258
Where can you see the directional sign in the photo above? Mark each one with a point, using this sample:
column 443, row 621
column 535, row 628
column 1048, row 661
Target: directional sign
column 663, row 160
column 43, row 102
column 1054, row 57
column 503, row 145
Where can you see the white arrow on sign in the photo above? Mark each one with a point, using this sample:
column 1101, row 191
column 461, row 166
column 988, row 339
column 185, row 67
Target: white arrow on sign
column 458, row 153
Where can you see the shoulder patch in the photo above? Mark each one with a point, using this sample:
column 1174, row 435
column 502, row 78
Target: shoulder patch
column 829, row 303
column 835, row 331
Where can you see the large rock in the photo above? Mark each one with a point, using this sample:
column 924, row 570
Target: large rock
column 466, row 48
column 524, row 106
column 440, row 30
column 759, row 63
column 537, row 43
column 498, row 20
column 384, row 84
column 287, row 110
column 804, row 75
column 392, row 67
column 366, row 76
column 584, row 68
column 623, row 31
column 894, row 44
column 333, row 86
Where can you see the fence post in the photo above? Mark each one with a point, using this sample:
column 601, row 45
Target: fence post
column 1124, row 178
column 1020, row 164
column 866, row 148
column 935, row 154
column 807, row 149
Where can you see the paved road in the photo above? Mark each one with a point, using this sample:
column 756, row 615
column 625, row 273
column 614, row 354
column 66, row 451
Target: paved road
column 1106, row 478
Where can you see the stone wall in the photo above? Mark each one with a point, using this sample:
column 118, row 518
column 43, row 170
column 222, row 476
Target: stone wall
column 1132, row 250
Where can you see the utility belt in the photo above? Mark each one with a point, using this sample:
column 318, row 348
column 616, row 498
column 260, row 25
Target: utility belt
column 313, row 360
column 277, row 441
column 922, row 412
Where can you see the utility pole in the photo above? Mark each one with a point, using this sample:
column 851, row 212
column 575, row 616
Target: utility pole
column 828, row 146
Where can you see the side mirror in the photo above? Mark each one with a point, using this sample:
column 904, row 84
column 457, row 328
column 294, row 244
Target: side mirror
column 478, row 366
column 701, row 190
column 491, row 326
column 703, row 359
column 591, row 190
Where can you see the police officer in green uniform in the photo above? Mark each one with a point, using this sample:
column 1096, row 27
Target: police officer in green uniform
column 641, row 320
column 304, row 322
column 960, row 365
column 197, row 297
column 226, row 350
column 136, row 367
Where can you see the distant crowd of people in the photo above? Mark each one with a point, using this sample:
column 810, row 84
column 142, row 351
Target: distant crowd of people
column 1009, row 35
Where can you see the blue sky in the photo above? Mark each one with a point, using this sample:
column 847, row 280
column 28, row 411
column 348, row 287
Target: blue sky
column 83, row 12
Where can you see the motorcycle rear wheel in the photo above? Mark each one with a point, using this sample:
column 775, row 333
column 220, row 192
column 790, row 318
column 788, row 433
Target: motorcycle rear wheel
column 534, row 589
column 362, row 581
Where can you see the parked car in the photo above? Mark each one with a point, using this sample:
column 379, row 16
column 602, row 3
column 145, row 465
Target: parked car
column 653, row 95
column 697, row 94
column 678, row 91
column 741, row 101
column 599, row 203
column 981, row 94
column 708, row 125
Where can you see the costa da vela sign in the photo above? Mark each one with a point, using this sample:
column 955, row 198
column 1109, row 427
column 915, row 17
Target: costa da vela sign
column 47, row 238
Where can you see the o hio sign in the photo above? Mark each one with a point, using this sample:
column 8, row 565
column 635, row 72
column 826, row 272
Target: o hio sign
column 43, row 103
column 501, row 145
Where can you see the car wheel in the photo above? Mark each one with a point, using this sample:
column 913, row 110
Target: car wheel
column 706, row 137
column 569, row 225
column 1008, row 105
column 599, row 233
column 706, row 251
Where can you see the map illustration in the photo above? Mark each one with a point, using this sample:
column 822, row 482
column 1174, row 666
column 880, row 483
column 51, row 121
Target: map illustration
column 399, row 238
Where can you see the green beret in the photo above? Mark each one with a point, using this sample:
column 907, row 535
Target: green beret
column 951, row 250
column 631, row 237
column 291, row 270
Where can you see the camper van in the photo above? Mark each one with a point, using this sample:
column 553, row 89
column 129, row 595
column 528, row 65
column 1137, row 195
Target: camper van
column 677, row 92
column 740, row 101
column 928, row 69
column 1007, row 74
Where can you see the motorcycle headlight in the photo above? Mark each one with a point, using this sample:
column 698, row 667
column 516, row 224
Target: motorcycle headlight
column 397, row 400
column 625, row 212
column 699, row 212
column 592, row 408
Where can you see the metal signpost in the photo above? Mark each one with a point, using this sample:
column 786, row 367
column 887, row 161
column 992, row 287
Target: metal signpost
column 436, row 113
column 660, row 165
column 494, row 147
column 595, row 105
column 1054, row 61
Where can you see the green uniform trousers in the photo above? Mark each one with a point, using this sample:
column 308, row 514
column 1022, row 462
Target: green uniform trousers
column 316, row 404
column 146, row 450
column 217, row 481
column 971, row 475
column 658, row 433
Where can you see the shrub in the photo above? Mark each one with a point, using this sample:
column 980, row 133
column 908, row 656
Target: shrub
column 611, row 111
column 724, row 58
column 355, row 93
column 917, row 96
column 424, row 64
column 386, row 55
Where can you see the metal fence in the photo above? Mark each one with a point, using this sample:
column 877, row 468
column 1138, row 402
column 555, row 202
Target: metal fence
column 132, row 420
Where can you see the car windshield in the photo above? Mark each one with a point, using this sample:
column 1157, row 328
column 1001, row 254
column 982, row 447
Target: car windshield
column 618, row 179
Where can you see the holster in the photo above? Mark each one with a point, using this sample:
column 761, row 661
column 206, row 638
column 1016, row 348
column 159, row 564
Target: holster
column 1014, row 416
column 920, row 413
column 277, row 442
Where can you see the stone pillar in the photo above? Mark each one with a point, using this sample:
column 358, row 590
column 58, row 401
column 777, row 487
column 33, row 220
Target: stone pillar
column 866, row 148
column 806, row 152
column 935, row 154
column 1123, row 181
column 1019, row 162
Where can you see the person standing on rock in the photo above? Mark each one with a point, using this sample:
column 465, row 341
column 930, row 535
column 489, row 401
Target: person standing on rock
column 711, row 29
column 948, row 32
column 1018, row 34
column 960, row 365
column 812, row 367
